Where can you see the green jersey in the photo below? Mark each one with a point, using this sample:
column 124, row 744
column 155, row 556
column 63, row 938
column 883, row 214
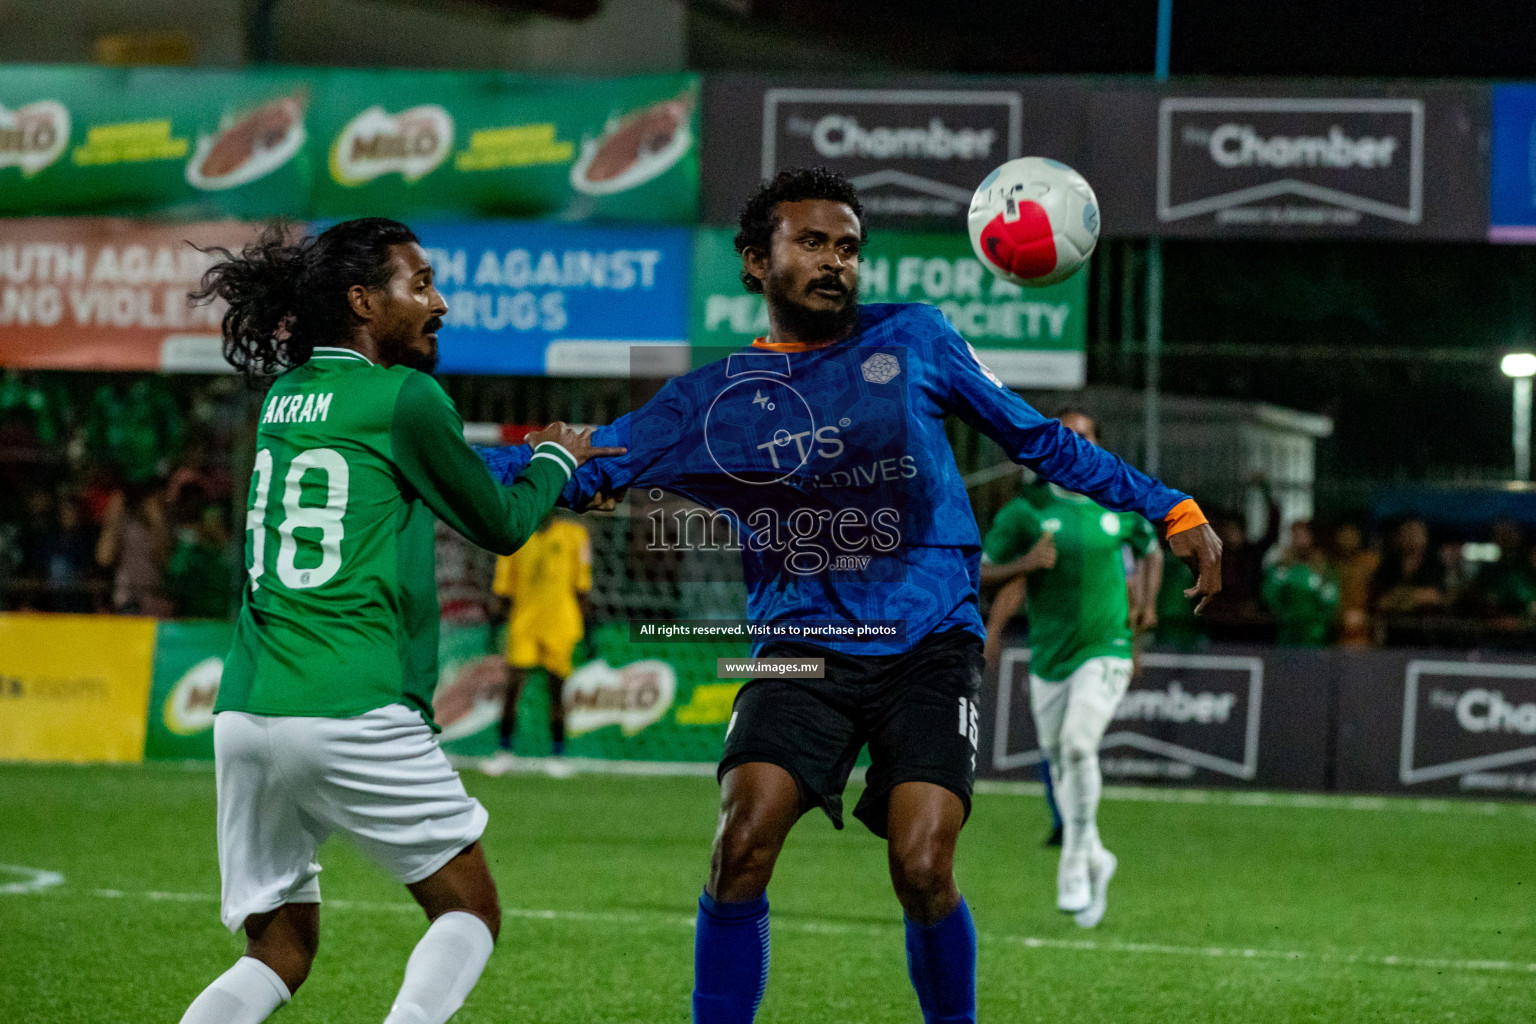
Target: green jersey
column 1078, row 609
column 353, row 461
column 1304, row 600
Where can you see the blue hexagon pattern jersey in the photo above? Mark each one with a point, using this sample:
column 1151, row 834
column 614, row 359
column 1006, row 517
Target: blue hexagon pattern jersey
column 832, row 466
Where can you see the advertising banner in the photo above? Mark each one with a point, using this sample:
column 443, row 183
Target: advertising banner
column 1434, row 722
column 189, row 662
column 199, row 145
column 1031, row 337
column 74, row 687
column 1292, row 161
column 429, row 144
column 916, row 150
column 549, row 298
column 1240, row 717
column 108, row 294
column 1512, row 190
column 625, row 700
column 179, row 143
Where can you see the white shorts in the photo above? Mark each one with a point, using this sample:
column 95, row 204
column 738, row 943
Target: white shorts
column 286, row 783
column 1077, row 709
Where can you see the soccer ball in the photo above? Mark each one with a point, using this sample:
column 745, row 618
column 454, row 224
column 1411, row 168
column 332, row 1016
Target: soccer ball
column 1034, row 221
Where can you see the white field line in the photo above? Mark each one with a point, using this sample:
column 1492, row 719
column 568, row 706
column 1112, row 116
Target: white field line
column 32, row 880
column 1292, row 801
column 568, row 766
column 807, row 926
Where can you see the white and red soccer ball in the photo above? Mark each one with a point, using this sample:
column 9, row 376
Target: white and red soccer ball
column 1034, row 221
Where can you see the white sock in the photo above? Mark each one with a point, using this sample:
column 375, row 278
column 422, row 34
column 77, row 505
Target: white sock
column 442, row 969
column 247, row 993
column 1078, row 793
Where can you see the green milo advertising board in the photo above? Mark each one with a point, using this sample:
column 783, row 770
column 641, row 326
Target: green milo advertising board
column 1029, row 337
column 624, row 700
column 187, row 144
column 189, row 661
column 201, row 145
column 502, row 145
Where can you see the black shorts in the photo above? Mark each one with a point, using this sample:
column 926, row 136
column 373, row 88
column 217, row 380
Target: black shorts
column 917, row 712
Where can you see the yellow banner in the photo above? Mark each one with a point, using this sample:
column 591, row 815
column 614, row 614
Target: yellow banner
column 74, row 687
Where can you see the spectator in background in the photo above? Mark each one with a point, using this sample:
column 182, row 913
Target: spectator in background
column 36, row 527
column 1177, row 624
column 133, row 545
column 1301, row 591
column 1410, row 580
column 1505, row 589
column 195, row 481
column 1354, row 567
column 200, row 575
column 69, row 558
column 1242, row 561
column 1457, row 577
column 135, row 425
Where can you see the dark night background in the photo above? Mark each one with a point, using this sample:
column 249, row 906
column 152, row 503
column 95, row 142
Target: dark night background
column 1398, row 342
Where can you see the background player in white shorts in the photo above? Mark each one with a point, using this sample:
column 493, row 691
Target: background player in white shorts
column 324, row 711
column 1080, row 633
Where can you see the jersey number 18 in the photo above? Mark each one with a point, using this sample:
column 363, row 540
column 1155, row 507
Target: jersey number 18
column 326, row 518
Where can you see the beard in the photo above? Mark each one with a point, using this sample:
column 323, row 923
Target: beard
column 403, row 353
column 803, row 322
column 426, row 362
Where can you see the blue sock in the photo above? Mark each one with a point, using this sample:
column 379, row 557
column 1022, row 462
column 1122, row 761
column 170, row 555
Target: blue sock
column 941, row 960
column 1050, row 793
column 730, row 960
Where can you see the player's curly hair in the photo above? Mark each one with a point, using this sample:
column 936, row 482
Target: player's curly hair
column 758, row 217
column 286, row 296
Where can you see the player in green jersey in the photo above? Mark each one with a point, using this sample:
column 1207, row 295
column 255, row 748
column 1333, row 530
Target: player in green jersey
column 324, row 720
column 1071, row 551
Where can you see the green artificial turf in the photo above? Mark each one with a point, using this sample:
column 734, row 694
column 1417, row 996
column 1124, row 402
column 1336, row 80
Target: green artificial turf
column 1222, row 911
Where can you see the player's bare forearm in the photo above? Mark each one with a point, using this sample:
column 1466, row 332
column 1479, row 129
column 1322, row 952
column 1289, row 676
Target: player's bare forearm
column 1200, row 549
column 1004, row 607
column 1041, row 556
column 1149, row 581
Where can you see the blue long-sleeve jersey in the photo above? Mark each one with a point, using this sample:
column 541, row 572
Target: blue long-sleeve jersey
column 832, row 468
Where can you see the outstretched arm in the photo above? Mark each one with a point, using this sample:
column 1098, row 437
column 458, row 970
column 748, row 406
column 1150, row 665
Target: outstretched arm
column 427, row 436
column 1064, row 458
column 649, row 436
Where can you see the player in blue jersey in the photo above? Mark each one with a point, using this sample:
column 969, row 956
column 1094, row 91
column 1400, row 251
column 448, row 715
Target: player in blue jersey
column 822, row 447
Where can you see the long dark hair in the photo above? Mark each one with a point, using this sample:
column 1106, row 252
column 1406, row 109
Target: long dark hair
column 286, row 296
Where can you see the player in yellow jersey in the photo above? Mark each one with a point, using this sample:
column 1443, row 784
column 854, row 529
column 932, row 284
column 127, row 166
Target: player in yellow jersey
column 547, row 581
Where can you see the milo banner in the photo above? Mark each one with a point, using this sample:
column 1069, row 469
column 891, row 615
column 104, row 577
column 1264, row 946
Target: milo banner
column 916, row 149
column 500, row 145
column 78, row 294
column 189, row 662
column 187, row 144
column 198, row 145
column 1292, row 160
column 624, row 701
column 1031, row 337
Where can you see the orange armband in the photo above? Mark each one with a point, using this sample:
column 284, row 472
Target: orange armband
column 1186, row 515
